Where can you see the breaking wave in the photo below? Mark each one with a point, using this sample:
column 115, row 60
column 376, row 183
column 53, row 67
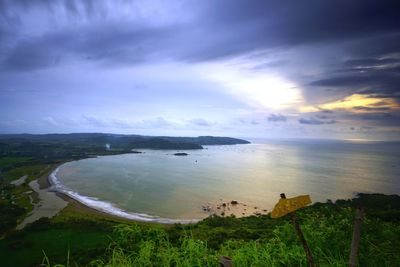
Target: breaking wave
column 108, row 207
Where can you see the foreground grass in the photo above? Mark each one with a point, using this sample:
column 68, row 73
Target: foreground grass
column 329, row 236
column 75, row 240
column 84, row 239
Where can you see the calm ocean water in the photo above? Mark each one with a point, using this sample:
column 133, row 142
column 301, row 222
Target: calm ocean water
column 159, row 184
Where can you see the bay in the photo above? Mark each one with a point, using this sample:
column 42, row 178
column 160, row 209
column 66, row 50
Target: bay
column 161, row 185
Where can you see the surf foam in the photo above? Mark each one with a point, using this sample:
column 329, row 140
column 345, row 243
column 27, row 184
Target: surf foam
column 107, row 207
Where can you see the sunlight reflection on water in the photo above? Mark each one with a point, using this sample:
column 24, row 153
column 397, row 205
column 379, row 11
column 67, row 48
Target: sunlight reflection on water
column 158, row 183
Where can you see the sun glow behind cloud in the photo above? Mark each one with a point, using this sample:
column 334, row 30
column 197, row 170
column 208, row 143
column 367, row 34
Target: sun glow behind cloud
column 259, row 90
column 357, row 103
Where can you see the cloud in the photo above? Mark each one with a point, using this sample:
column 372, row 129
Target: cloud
column 379, row 118
column 252, row 122
column 315, row 121
column 95, row 121
column 296, row 22
column 157, row 123
column 322, row 116
column 338, row 60
column 120, row 46
column 357, row 103
column 367, row 128
column 363, row 129
column 276, row 118
column 51, row 121
column 364, row 63
column 367, row 81
column 128, row 37
column 200, row 122
column 373, row 109
column 118, row 123
column 30, row 55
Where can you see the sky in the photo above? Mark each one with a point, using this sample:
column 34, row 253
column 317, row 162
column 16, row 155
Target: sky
column 243, row 68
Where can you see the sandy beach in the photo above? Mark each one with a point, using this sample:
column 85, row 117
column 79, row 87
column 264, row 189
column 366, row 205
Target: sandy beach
column 74, row 205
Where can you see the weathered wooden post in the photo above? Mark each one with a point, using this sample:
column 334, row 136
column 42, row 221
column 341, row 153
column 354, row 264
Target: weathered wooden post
column 290, row 205
column 355, row 242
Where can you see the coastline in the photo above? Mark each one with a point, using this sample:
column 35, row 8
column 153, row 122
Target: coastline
column 87, row 205
column 77, row 203
column 74, row 205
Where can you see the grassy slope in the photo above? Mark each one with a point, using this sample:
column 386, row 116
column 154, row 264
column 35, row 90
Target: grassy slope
column 27, row 249
column 256, row 241
column 259, row 241
column 8, row 163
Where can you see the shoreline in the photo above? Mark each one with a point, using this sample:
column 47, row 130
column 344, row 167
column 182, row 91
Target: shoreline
column 74, row 205
column 78, row 204
column 89, row 205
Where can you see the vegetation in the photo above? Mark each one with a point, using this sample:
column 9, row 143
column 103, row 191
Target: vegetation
column 16, row 201
column 76, row 239
column 260, row 241
column 8, row 163
column 84, row 240
column 49, row 148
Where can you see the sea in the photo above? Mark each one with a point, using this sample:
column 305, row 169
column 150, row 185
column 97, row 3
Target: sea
column 157, row 185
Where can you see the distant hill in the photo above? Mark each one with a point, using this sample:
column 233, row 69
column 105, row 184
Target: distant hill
column 119, row 139
column 80, row 145
column 208, row 140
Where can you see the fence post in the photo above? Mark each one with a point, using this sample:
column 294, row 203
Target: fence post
column 303, row 241
column 355, row 242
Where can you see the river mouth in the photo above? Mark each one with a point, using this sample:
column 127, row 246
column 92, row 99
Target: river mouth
column 158, row 186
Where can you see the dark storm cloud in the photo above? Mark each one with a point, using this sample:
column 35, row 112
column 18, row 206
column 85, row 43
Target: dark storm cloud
column 89, row 36
column 371, row 76
column 30, row 55
column 112, row 44
column 366, row 63
column 385, row 80
column 371, row 108
column 377, row 117
column 217, row 30
column 259, row 25
column 389, row 119
column 295, row 23
column 376, row 45
column 73, row 7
